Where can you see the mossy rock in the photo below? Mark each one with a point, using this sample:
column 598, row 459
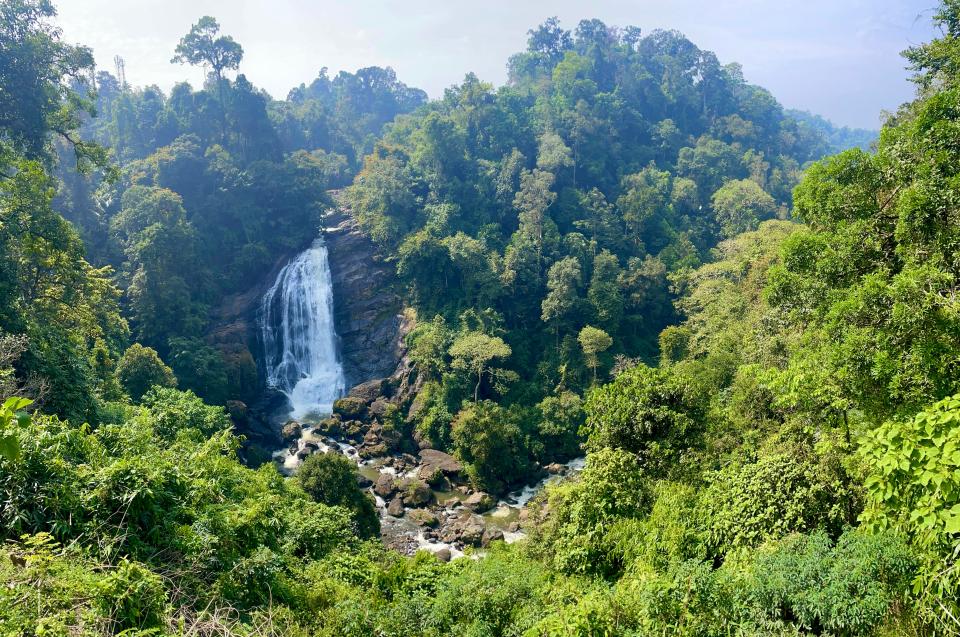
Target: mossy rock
column 350, row 408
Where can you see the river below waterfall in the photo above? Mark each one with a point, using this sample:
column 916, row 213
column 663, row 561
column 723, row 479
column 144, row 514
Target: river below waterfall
column 403, row 533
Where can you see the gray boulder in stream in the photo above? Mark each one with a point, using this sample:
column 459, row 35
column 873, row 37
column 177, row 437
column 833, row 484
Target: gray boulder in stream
column 479, row 502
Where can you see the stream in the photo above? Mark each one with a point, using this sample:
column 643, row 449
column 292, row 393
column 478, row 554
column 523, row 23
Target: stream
column 402, row 532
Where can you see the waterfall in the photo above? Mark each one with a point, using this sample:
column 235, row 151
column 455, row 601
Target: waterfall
column 299, row 339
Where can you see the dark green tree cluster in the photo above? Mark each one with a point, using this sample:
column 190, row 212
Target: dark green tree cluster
column 65, row 309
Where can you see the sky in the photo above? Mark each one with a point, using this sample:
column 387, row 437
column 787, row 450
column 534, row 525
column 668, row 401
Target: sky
column 836, row 58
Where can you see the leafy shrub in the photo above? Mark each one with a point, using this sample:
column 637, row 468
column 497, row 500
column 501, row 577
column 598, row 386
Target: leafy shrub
column 140, row 368
column 493, row 444
column 573, row 536
column 647, row 411
column 132, row 596
column 331, row 479
column 848, row 588
column 780, row 493
column 914, row 487
column 171, row 411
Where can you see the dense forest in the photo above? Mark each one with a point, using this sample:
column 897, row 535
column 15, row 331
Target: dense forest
column 745, row 317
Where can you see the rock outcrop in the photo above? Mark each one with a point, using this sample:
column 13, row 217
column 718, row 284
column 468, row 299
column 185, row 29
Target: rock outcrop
column 367, row 309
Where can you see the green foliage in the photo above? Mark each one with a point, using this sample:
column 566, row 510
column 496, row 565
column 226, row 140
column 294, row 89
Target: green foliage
column 48, row 292
column 561, row 417
column 847, row 588
column 647, row 411
column 169, row 412
column 783, row 492
column 12, row 415
column 49, row 76
column 140, row 368
column 593, row 341
column 204, row 45
column 473, row 353
column 913, row 488
column 331, row 479
column 499, row 595
column 427, row 345
column 200, row 368
column 492, row 441
column 740, row 205
column 574, row 536
column 563, row 199
column 133, row 597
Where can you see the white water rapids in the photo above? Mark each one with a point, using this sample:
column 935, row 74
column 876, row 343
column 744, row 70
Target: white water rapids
column 299, row 339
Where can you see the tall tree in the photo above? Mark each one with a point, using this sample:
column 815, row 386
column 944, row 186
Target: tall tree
column 204, row 45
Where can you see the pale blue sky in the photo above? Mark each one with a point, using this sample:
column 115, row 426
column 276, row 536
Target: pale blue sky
column 837, row 58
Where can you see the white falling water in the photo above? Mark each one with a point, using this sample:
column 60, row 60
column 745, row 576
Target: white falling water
column 300, row 343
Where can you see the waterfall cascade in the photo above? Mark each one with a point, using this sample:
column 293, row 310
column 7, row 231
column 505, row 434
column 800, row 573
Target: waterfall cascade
column 299, row 339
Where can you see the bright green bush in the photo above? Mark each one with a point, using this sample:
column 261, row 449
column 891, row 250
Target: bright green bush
column 573, row 537
column 331, row 479
column 914, row 488
column 651, row 412
column 782, row 492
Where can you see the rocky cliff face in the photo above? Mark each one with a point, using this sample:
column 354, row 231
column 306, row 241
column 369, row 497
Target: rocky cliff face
column 367, row 309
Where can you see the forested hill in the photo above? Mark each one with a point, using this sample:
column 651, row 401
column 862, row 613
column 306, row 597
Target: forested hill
column 544, row 222
column 627, row 252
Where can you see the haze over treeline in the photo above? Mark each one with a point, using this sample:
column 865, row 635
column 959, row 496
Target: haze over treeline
column 838, row 59
column 718, row 338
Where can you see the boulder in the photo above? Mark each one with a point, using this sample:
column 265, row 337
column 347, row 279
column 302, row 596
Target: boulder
column 395, row 508
column 421, row 441
column 440, row 461
column 238, row 412
column 349, row 408
column 443, row 555
column 363, row 481
column 479, row 502
column 513, row 527
column 416, row 492
column 304, row 453
column 555, row 468
column 372, row 451
column 291, row 431
column 471, row 533
column 378, row 407
column 491, row 535
column 352, row 430
column 367, row 392
column 391, row 437
column 431, row 475
column 422, row 517
column 385, row 485
column 330, row 426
